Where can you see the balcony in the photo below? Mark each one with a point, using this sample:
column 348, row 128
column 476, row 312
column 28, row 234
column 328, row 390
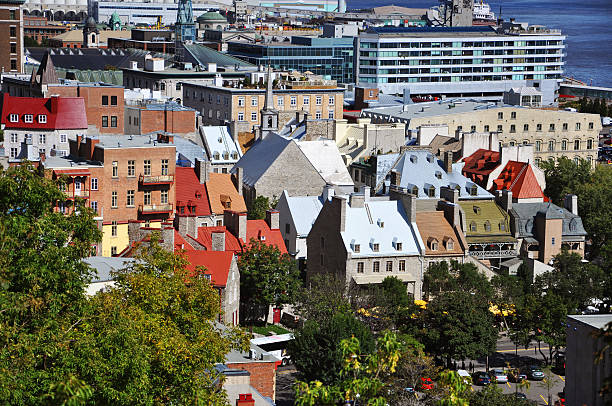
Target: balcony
column 155, row 208
column 156, row 180
column 493, row 254
column 71, row 194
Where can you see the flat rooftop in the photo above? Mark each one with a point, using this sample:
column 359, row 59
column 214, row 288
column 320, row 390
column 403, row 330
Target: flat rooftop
column 69, row 162
column 597, row 321
column 130, row 141
column 474, row 31
column 275, row 91
column 433, row 109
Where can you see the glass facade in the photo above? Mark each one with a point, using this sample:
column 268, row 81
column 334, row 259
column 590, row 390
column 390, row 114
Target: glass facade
column 333, row 58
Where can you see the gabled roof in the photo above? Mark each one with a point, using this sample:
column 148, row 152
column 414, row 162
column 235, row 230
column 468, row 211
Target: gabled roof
column 527, row 212
column 325, row 157
column 231, row 242
column 480, row 164
column 382, row 222
column 518, row 177
column 304, row 210
column 217, row 264
column 423, row 170
column 261, row 156
column 180, row 243
column 190, row 192
column 433, row 225
column 46, row 73
column 219, row 144
column 221, row 189
column 62, row 113
column 259, row 230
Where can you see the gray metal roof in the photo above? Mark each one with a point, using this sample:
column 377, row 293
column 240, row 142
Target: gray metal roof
column 527, row 212
column 104, row 266
column 597, row 321
column 203, row 55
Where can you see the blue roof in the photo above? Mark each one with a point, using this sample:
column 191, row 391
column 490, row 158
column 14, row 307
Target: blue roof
column 442, row 30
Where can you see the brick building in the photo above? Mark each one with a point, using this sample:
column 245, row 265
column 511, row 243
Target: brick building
column 11, row 35
column 128, row 181
column 39, row 28
column 104, row 104
column 145, row 118
column 35, row 126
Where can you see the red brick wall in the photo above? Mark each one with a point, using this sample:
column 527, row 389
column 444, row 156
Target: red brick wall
column 179, row 122
column 6, row 39
column 95, row 109
column 263, row 376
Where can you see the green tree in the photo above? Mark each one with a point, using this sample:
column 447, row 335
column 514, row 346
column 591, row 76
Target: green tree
column 267, row 277
column 394, row 307
column 316, row 350
column 30, row 42
column 258, row 208
column 595, row 207
column 492, row 395
column 322, row 298
column 563, row 177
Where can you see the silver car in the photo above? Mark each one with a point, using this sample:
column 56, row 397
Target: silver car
column 498, row 376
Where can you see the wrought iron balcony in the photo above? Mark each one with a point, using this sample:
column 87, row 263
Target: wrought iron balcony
column 493, row 254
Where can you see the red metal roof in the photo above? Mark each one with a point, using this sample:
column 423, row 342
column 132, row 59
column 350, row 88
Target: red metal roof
column 189, row 191
column 518, row 177
column 259, row 228
column 231, row 242
column 217, row 264
column 180, row 243
column 480, row 164
column 62, row 113
column 74, row 172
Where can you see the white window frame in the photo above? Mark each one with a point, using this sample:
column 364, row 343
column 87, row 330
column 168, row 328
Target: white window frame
column 254, row 101
column 14, row 118
column 331, row 101
column 240, row 116
column 63, row 138
column 319, row 100
column 306, row 100
column 280, row 101
column 94, row 183
column 28, row 118
column 42, row 118
column 240, row 101
column 253, row 116
column 14, row 138
column 293, row 101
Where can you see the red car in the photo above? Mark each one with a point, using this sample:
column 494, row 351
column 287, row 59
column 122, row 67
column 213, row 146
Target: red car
column 427, row 384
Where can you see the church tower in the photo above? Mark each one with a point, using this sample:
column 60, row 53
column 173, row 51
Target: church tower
column 269, row 116
column 184, row 29
column 91, row 34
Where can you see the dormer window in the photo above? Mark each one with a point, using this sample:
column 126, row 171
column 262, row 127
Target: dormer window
column 430, row 158
column 226, row 155
column 438, row 174
column 473, row 190
column 42, row 118
column 234, row 155
column 198, row 195
column 430, row 191
column 433, row 244
column 216, row 155
column 381, row 223
column 357, row 248
column 415, row 191
column 28, row 118
column 450, row 244
column 398, row 246
column 502, row 226
column 413, row 159
column 473, row 226
column 487, row 225
column 14, row 118
column 375, row 247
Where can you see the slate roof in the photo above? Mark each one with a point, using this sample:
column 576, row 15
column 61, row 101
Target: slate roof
column 217, row 264
column 420, row 170
column 518, row 177
column 104, row 266
column 190, row 192
column 220, row 188
column 186, row 151
column 527, row 212
column 325, row 157
column 220, row 145
column 261, row 156
column 382, row 222
column 62, row 113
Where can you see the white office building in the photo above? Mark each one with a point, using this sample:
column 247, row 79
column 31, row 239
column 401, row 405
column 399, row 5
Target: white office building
column 461, row 61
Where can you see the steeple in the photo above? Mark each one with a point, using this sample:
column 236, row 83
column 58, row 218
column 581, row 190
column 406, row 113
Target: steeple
column 269, row 105
column 46, row 73
column 185, row 26
column 269, row 116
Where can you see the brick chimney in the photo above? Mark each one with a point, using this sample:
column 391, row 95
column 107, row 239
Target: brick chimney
column 236, row 223
column 202, row 169
column 272, row 218
column 245, row 399
column 408, row 201
column 218, row 240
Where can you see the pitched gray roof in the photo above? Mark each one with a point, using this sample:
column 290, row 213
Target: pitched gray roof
column 527, row 212
column 203, row 55
column 104, row 266
column 260, row 157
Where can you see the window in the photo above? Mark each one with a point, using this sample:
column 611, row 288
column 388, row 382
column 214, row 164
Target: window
column 564, row 126
column 240, row 116
column 293, row 101
column 105, row 100
column 318, row 115
column 130, row 198
column 564, row 145
column 512, row 128
column 28, row 118
column 389, row 266
column 280, row 101
column 376, row 266
column 473, row 226
column 459, row 128
column 330, row 114
column 525, row 127
column 114, row 121
column 178, row 86
column 253, row 116
column 577, row 126
column 331, row 100
column 241, row 102
column 486, row 128
column 553, row 241
column 147, row 197
column 63, row 138
column 322, row 243
column 500, row 128
column 12, row 15
column 576, row 145
column 538, row 145
column 113, row 251
column 254, row 101
column 513, row 115
column 551, row 127
column 500, row 115
column 164, row 197
column 14, row 152
column 306, row 101
column 104, row 121
column 115, row 169
column 398, row 246
column 538, row 127
column 589, row 144
column 319, row 100
column 375, row 247
column 147, row 167
column 322, row 260
column 538, row 161
column 487, row 226
column 14, row 138
column 430, row 191
column 13, row 31
column 164, row 166
column 14, row 118
column 13, row 48
column 473, row 128
column 94, row 206
column 357, row 248
column 359, row 267
column 551, row 145
column 131, row 168
column 94, row 183
column 114, row 200
column 42, row 139
column 287, row 228
column 590, row 126
column 402, row 265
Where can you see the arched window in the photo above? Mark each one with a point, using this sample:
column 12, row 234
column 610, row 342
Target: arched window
column 473, row 226
column 487, row 226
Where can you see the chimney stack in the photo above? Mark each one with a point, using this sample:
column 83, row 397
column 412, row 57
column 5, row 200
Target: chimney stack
column 448, row 161
column 202, row 169
column 339, row 206
column 328, row 192
column 571, row 204
column 236, row 223
column 505, row 200
column 396, row 177
column 237, row 178
column 273, row 219
column 218, row 240
column 451, row 195
column 356, row 200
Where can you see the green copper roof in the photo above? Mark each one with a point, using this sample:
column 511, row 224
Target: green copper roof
column 211, row 16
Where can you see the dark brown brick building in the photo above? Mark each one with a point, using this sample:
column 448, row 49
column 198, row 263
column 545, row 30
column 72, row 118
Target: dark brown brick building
column 11, row 35
column 39, row 28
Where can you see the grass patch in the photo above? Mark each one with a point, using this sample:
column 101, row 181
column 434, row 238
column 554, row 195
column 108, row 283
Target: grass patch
column 266, row 330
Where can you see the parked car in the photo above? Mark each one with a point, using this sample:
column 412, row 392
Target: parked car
column 498, row 376
column 514, row 375
column 560, row 363
column 534, row 373
column 519, row 395
column 481, row 378
column 465, row 376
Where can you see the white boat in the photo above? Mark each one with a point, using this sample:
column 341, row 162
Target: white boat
column 483, row 14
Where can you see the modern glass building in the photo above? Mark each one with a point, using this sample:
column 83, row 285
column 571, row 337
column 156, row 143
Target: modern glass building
column 333, row 58
column 461, row 61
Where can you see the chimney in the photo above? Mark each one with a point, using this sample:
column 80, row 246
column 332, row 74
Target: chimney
column 233, row 129
column 408, row 201
column 328, row 192
column 357, row 200
column 236, row 223
column 237, row 178
column 448, row 161
column 202, row 169
column 365, row 190
column 396, row 177
column 505, row 200
column 451, row 195
column 339, row 207
column 245, row 399
column 571, row 204
column 272, row 218
column 218, row 240
column 167, row 235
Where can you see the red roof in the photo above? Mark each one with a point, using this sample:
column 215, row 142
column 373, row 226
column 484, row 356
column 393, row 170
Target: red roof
column 217, row 264
column 480, row 164
column 61, row 113
column 231, row 242
column 518, row 177
column 180, row 243
column 190, row 192
column 259, row 228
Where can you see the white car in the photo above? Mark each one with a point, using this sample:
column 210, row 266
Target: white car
column 498, row 376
